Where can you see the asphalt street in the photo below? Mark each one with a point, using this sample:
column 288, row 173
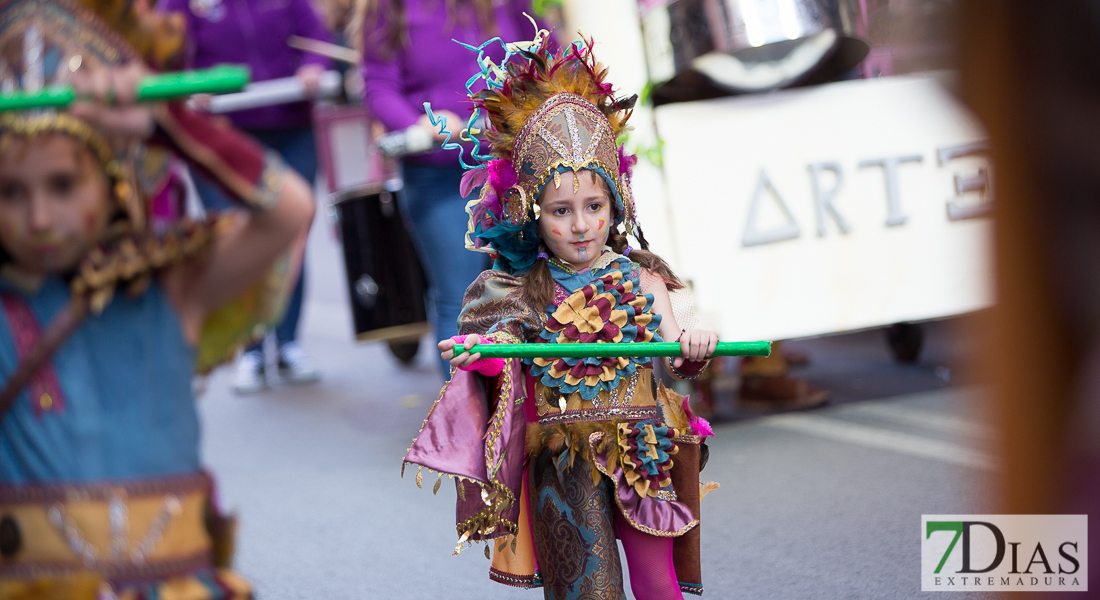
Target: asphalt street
column 823, row 503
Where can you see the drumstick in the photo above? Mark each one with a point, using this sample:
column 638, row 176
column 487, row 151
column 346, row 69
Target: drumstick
column 599, row 350
column 333, row 51
column 164, row 86
column 275, row 91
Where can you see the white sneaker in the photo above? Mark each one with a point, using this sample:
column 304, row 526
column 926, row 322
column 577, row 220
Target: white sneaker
column 250, row 373
column 295, row 366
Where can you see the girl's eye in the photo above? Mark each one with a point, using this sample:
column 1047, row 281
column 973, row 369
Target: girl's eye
column 560, row 212
column 62, row 185
column 595, row 207
column 11, row 191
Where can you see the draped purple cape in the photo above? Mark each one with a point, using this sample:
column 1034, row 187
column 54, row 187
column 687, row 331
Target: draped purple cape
column 478, row 436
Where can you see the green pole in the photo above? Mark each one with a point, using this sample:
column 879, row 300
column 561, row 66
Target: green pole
column 607, row 350
column 221, row 79
column 164, row 86
column 51, row 97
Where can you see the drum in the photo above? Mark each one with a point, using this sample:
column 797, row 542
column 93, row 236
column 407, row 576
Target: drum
column 385, row 280
column 706, row 48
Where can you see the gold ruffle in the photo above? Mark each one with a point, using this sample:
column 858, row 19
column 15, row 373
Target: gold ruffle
column 624, row 432
column 579, row 311
column 634, row 395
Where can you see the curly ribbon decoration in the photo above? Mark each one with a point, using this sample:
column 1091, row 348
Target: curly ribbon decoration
column 493, row 75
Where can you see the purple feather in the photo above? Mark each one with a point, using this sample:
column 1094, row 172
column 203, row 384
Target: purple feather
column 699, row 425
column 473, row 179
column 490, row 203
column 626, row 161
column 502, row 175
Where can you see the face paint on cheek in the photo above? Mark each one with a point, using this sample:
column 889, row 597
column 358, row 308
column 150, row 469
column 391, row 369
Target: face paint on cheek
column 556, row 232
column 8, row 228
column 601, row 224
column 93, row 220
column 90, row 221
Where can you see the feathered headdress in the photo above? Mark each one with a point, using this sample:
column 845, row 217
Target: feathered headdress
column 546, row 114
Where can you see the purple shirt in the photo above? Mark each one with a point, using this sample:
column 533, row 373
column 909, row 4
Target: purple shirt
column 433, row 68
column 253, row 33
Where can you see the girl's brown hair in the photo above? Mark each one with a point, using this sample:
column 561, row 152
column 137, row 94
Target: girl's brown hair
column 538, row 284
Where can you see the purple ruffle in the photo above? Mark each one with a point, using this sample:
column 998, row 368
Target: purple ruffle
column 666, row 518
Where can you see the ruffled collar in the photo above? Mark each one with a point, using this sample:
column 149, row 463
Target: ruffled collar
column 571, row 279
column 605, row 306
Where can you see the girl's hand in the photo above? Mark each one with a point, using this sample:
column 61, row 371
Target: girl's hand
column 109, row 101
column 310, row 76
column 447, row 352
column 696, row 345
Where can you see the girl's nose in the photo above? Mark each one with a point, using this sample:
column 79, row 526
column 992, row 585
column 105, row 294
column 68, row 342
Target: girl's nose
column 40, row 218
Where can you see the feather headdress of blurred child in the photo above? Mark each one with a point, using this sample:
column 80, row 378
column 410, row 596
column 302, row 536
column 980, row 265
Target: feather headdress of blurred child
column 544, row 113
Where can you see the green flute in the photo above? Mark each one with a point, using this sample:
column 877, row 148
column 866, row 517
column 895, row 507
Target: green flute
column 164, row 86
column 608, row 350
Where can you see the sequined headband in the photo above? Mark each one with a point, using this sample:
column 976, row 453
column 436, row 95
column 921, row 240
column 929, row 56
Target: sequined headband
column 568, row 132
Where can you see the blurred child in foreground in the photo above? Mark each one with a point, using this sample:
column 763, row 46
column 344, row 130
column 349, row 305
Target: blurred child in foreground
column 102, row 492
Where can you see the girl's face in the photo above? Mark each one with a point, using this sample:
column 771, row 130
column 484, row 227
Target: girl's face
column 53, row 203
column 574, row 226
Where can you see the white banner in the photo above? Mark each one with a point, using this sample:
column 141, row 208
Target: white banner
column 833, row 208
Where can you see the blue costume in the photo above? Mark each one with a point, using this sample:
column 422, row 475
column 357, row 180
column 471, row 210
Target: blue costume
column 127, row 410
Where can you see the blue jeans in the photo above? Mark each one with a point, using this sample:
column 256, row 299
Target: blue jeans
column 297, row 148
column 433, row 205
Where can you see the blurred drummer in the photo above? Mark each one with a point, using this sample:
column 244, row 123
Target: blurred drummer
column 409, row 58
column 255, row 32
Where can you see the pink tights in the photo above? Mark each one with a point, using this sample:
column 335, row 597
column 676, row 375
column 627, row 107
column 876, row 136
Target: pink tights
column 649, row 560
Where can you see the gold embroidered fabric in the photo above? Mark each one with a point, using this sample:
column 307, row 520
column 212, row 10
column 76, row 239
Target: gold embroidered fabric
column 568, row 131
column 494, row 304
column 632, row 399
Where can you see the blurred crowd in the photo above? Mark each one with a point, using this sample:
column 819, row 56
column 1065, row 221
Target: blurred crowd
column 407, row 58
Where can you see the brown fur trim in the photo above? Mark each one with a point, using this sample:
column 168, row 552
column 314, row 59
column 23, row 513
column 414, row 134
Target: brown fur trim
column 672, row 409
column 565, row 436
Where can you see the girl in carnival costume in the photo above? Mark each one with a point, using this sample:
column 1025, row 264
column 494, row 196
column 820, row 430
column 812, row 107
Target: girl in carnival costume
column 555, row 458
column 105, row 314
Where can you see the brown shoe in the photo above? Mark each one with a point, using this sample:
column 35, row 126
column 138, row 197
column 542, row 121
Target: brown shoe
column 779, row 392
